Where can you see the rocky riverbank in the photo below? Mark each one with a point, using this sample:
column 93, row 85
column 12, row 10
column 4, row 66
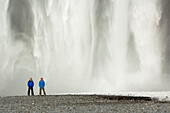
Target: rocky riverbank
column 82, row 104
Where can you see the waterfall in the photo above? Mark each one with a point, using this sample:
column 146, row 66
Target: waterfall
column 83, row 45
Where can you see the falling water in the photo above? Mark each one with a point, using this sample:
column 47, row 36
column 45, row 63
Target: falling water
column 84, row 45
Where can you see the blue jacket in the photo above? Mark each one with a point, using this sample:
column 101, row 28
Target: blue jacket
column 30, row 83
column 41, row 83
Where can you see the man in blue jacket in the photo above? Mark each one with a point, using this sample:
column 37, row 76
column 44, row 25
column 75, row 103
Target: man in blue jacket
column 41, row 85
column 30, row 86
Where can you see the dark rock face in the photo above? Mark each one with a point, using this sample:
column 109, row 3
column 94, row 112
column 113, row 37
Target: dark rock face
column 165, row 36
column 21, row 18
column 133, row 62
column 81, row 103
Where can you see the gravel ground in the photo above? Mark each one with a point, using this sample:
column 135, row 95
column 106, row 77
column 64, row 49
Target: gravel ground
column 82, row 104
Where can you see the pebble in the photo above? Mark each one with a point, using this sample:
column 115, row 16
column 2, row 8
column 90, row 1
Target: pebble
column 80, row 103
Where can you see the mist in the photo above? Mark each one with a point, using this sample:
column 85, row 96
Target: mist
column 84, row 46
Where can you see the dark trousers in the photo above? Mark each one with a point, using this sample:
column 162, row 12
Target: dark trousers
column 32, row 91
column 42, row 88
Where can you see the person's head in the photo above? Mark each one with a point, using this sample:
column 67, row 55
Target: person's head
column 41, row 78
column 30, row 79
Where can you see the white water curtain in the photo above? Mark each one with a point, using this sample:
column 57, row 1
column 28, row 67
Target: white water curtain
column 80, row 45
